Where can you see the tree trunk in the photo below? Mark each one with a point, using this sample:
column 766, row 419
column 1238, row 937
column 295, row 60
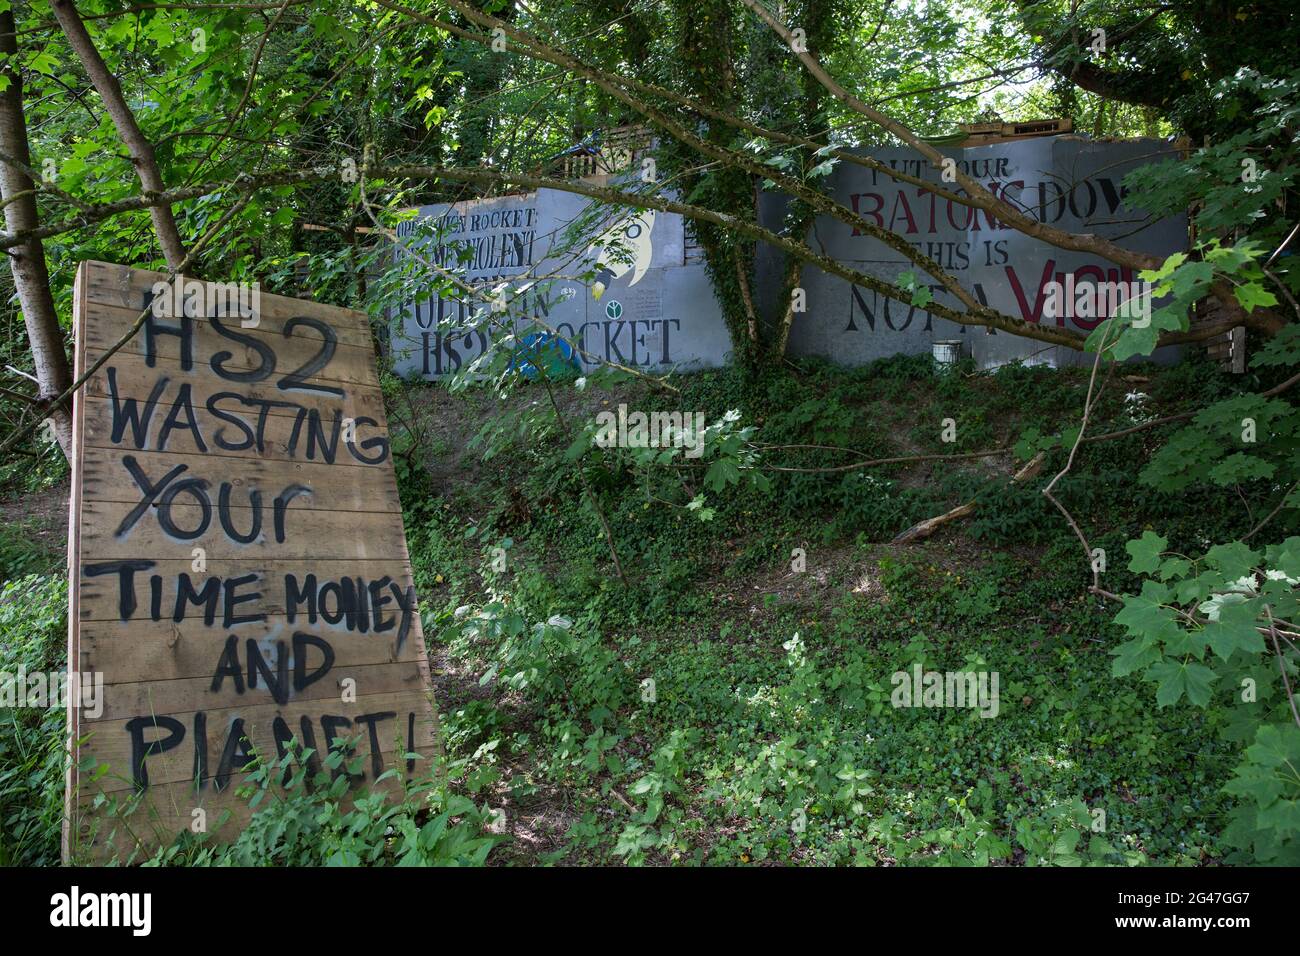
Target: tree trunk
column 794, row 273
column 141, row 150
column 27, row 261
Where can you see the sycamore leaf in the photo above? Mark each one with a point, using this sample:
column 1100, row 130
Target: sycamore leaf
column 1172, row 568
column 44, row 62
column 1261, row 784
column 1144, row 552
column 1133, row 341
column 1270, row 764
column 1030, row 441
column 1283, row 816
column 578, row 447
column 1190, row 277
column 1253, row 294
column 1180, row 643
column 1104, row 333
column 1285, row 557
column 1282, row 349
column 1166, row 270
column 1234, row 630
column 1175, row 678
column 1144, row 617
column 1238, row 468
column 721, row 473
column 1134, row 655
column 1234, row 560
column 1276, row 746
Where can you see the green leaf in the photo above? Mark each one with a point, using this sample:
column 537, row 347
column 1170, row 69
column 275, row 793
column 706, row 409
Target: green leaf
column 44, row 62
column 1175, row 678
column 1253, row 294
column 1285, row 557
column 1284, row 816
column 721, row 473
column 1133, row 341
column 1031, row 440
column 1282, row 349
column 1235, row 559
column 1172, row 568
column 578, row 447
column 1190, row 277
column 1234, row 630
column 1238, row 468
column 1166, row 270
column 1144, row 552
column 1180, row 643
column 1199, row 679
column 1142, row 615
column 1134, row 655
column 1276, row 746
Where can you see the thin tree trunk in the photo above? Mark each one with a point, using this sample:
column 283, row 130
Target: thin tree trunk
column 141, row 150
column 751, row 316
column 27, row 261
column 793, row 274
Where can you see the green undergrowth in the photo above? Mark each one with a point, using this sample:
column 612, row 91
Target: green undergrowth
column 719, row 707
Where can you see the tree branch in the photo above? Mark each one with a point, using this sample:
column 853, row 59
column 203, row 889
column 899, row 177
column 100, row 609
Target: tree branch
column 980, row 196
column 141, row 150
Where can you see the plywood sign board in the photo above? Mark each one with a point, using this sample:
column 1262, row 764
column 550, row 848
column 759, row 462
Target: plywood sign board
column 239, row 572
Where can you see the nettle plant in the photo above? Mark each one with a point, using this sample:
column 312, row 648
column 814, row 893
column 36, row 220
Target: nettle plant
column 308, row 814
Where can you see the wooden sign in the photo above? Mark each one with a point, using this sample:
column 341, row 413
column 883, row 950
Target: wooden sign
column 238, row 567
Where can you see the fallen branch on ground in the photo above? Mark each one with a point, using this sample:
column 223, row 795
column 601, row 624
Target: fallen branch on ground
column 923, row 529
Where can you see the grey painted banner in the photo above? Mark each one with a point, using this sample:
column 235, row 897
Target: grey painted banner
column 1068, row 182
column 639, row 305
column 653, row 311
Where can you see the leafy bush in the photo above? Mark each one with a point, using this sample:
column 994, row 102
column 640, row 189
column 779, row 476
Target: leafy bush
column 33, row 636
column 303, row 818
column 20, row 555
